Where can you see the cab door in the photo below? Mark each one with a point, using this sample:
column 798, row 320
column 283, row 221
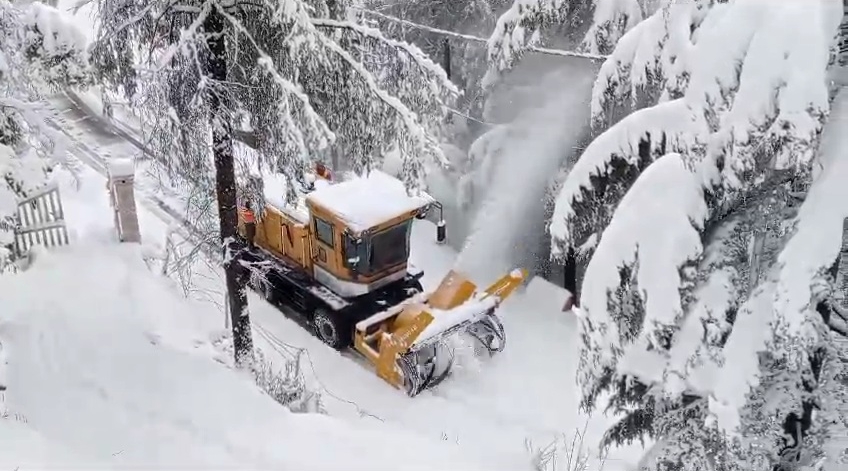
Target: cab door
column 326, row 240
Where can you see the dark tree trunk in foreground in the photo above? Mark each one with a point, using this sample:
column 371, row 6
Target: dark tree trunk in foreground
column 225, row 187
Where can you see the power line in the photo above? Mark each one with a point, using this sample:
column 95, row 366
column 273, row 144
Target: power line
column 477, row 39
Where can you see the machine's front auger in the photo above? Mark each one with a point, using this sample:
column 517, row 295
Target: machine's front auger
column 489, row 333
column 425, row 368
column 408, row 343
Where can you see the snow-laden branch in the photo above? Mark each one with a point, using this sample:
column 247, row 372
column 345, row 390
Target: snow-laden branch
column 313, row 118
column 187, row 35
column 477, row 39
column 422, row 60
column 668, row 127
column 407, row 117
column 611, row 20
column 654, row 234
column 819, row 230
column 518, row 30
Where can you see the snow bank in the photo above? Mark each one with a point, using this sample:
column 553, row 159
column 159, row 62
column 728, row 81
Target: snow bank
column 23, row 449
column 104, row 360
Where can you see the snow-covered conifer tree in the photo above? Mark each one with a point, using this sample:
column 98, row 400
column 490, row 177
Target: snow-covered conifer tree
column 465, row 59
column 40, row 51
column 693, row 206
column 526, row 23
column 300, row 79
column 291, row 79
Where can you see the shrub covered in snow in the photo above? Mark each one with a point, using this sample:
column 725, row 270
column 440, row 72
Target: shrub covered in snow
column 285, row 384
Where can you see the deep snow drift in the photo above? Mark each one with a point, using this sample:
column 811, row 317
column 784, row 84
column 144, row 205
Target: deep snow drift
column 106, row 360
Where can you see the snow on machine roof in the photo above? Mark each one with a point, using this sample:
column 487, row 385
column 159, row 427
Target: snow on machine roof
column 274, row 190
column 367, row 201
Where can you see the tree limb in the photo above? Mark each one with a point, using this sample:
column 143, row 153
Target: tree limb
column 416, row 54
column 477, row 39
column 834, row 316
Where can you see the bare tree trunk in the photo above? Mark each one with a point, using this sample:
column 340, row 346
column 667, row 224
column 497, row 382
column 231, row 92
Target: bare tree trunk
column 446, row 58
column 225, row 186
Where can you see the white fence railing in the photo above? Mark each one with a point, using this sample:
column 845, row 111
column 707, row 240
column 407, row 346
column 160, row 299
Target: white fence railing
column 41, row 221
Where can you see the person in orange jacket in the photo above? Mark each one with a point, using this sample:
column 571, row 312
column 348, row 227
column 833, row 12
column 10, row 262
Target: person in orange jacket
column 322, row 171
column 249, row 219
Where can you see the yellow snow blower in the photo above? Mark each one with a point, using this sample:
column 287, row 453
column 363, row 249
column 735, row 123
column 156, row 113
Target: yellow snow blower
column 339, row 257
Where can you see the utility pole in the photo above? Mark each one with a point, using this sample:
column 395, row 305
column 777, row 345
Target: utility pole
column 225, row 188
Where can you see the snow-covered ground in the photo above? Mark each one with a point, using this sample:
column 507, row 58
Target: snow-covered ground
column 108, row 360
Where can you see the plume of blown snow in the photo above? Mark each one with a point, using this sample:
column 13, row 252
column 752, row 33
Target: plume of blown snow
column 543, row 139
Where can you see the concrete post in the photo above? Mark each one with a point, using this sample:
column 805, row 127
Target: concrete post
column 121, row 175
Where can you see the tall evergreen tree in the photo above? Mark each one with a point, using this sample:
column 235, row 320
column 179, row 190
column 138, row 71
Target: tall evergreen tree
column 292, row 79
column 692, row 208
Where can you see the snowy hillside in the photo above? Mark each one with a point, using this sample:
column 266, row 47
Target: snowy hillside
column 695, row 148
column 106, row 366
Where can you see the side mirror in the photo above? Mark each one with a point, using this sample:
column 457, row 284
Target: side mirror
column 351, row 251
column 441, row 232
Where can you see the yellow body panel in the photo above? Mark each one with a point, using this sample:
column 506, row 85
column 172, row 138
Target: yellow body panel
column 283, row 236
column 328, row 257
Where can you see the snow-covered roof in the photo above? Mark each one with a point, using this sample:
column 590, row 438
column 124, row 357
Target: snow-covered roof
column 367, row 201
column 274, row 192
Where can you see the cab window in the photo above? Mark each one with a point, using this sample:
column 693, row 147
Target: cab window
column 389, row 247
column 324, row 232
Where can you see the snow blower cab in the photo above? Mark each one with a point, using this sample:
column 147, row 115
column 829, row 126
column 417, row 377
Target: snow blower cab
column 340, row 258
